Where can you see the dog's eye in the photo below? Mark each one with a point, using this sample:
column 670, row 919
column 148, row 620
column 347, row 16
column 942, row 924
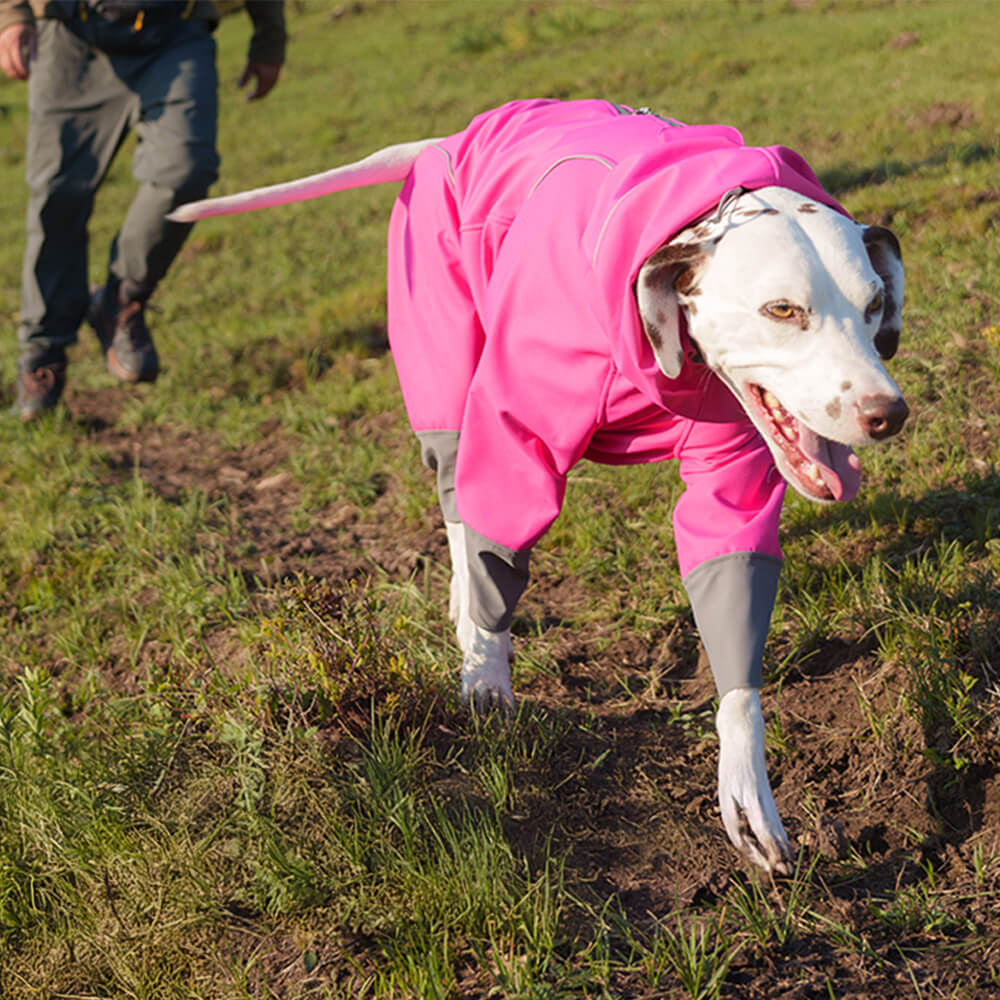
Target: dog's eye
column 874, row 307
column 781, row 310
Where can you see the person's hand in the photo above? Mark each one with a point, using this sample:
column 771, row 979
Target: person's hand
column 17, row 49
column 265, row 75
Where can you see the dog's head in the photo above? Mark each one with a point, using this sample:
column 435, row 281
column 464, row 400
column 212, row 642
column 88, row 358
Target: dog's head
column 794, row 306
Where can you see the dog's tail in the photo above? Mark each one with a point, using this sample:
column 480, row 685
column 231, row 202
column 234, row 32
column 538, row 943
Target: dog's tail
column 385, row 166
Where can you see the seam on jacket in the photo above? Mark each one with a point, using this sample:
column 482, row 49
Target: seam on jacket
column 740, row 555
column 447, row 156
column 604, row 226
column 565, row 159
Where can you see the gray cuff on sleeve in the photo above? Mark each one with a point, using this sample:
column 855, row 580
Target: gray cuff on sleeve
column 439, row 452
column 732, row 598
column 497, row 575
column 497, row 578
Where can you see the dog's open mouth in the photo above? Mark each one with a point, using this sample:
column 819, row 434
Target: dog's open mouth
column 818, row 467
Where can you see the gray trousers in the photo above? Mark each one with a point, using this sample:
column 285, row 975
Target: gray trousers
column 92, row 84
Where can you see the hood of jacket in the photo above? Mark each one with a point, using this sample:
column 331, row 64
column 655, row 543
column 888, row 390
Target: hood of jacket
column 666, row 176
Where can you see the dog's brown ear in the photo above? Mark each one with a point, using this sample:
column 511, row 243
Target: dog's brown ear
column 887, row 259
column 667, row 277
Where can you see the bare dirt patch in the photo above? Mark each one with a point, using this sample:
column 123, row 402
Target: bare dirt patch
column 952, row 114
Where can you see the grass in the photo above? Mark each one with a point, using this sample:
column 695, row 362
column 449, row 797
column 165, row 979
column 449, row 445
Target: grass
column 232, row 759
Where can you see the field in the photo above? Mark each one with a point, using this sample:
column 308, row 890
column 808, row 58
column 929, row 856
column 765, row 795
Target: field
column 233, row 762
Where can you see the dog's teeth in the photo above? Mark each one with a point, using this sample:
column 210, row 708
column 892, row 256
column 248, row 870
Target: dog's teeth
column 770, row 400
column 788, row 430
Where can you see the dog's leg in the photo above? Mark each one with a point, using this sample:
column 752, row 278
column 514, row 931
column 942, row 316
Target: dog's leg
column 486, row 664
column 732, row 597
column 485, row 578
column 458, row 604
column 748, row 810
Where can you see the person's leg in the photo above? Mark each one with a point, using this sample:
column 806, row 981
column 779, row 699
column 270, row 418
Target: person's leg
column 175, row 161
column 78, row 115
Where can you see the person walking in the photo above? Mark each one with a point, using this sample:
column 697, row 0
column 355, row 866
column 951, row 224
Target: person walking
column 96, row 70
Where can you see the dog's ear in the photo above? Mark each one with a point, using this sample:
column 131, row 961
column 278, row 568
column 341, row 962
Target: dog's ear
column 887, row 259
column 668, row 275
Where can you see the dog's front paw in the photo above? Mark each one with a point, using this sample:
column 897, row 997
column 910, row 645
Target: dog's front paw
column 748, row 810
column 486, row 671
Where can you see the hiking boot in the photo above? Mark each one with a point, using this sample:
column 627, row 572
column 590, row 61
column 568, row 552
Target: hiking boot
column 125, row 339
column 39, row 390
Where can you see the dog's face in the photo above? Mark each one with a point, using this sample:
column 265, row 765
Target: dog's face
column 794, row 306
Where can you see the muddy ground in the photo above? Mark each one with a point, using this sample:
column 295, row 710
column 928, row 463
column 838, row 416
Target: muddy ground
column 646, row 827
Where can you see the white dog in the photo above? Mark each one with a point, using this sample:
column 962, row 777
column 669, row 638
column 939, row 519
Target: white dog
column 578, row 279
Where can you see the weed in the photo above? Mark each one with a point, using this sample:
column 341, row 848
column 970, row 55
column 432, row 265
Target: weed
column 699, row 955
column 328, row 650
column 918, row 908
column 779, row 922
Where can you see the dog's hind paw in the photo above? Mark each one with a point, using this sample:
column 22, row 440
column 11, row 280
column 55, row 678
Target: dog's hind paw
column 486, row 671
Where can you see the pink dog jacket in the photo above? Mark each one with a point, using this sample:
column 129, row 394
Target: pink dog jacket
column 514, row 247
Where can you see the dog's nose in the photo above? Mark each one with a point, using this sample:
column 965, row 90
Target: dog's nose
column 882, row 416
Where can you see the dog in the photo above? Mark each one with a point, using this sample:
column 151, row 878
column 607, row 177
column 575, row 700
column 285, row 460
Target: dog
column 580, row 279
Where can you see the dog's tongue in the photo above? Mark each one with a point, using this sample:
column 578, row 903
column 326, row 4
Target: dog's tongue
column 838, row 466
